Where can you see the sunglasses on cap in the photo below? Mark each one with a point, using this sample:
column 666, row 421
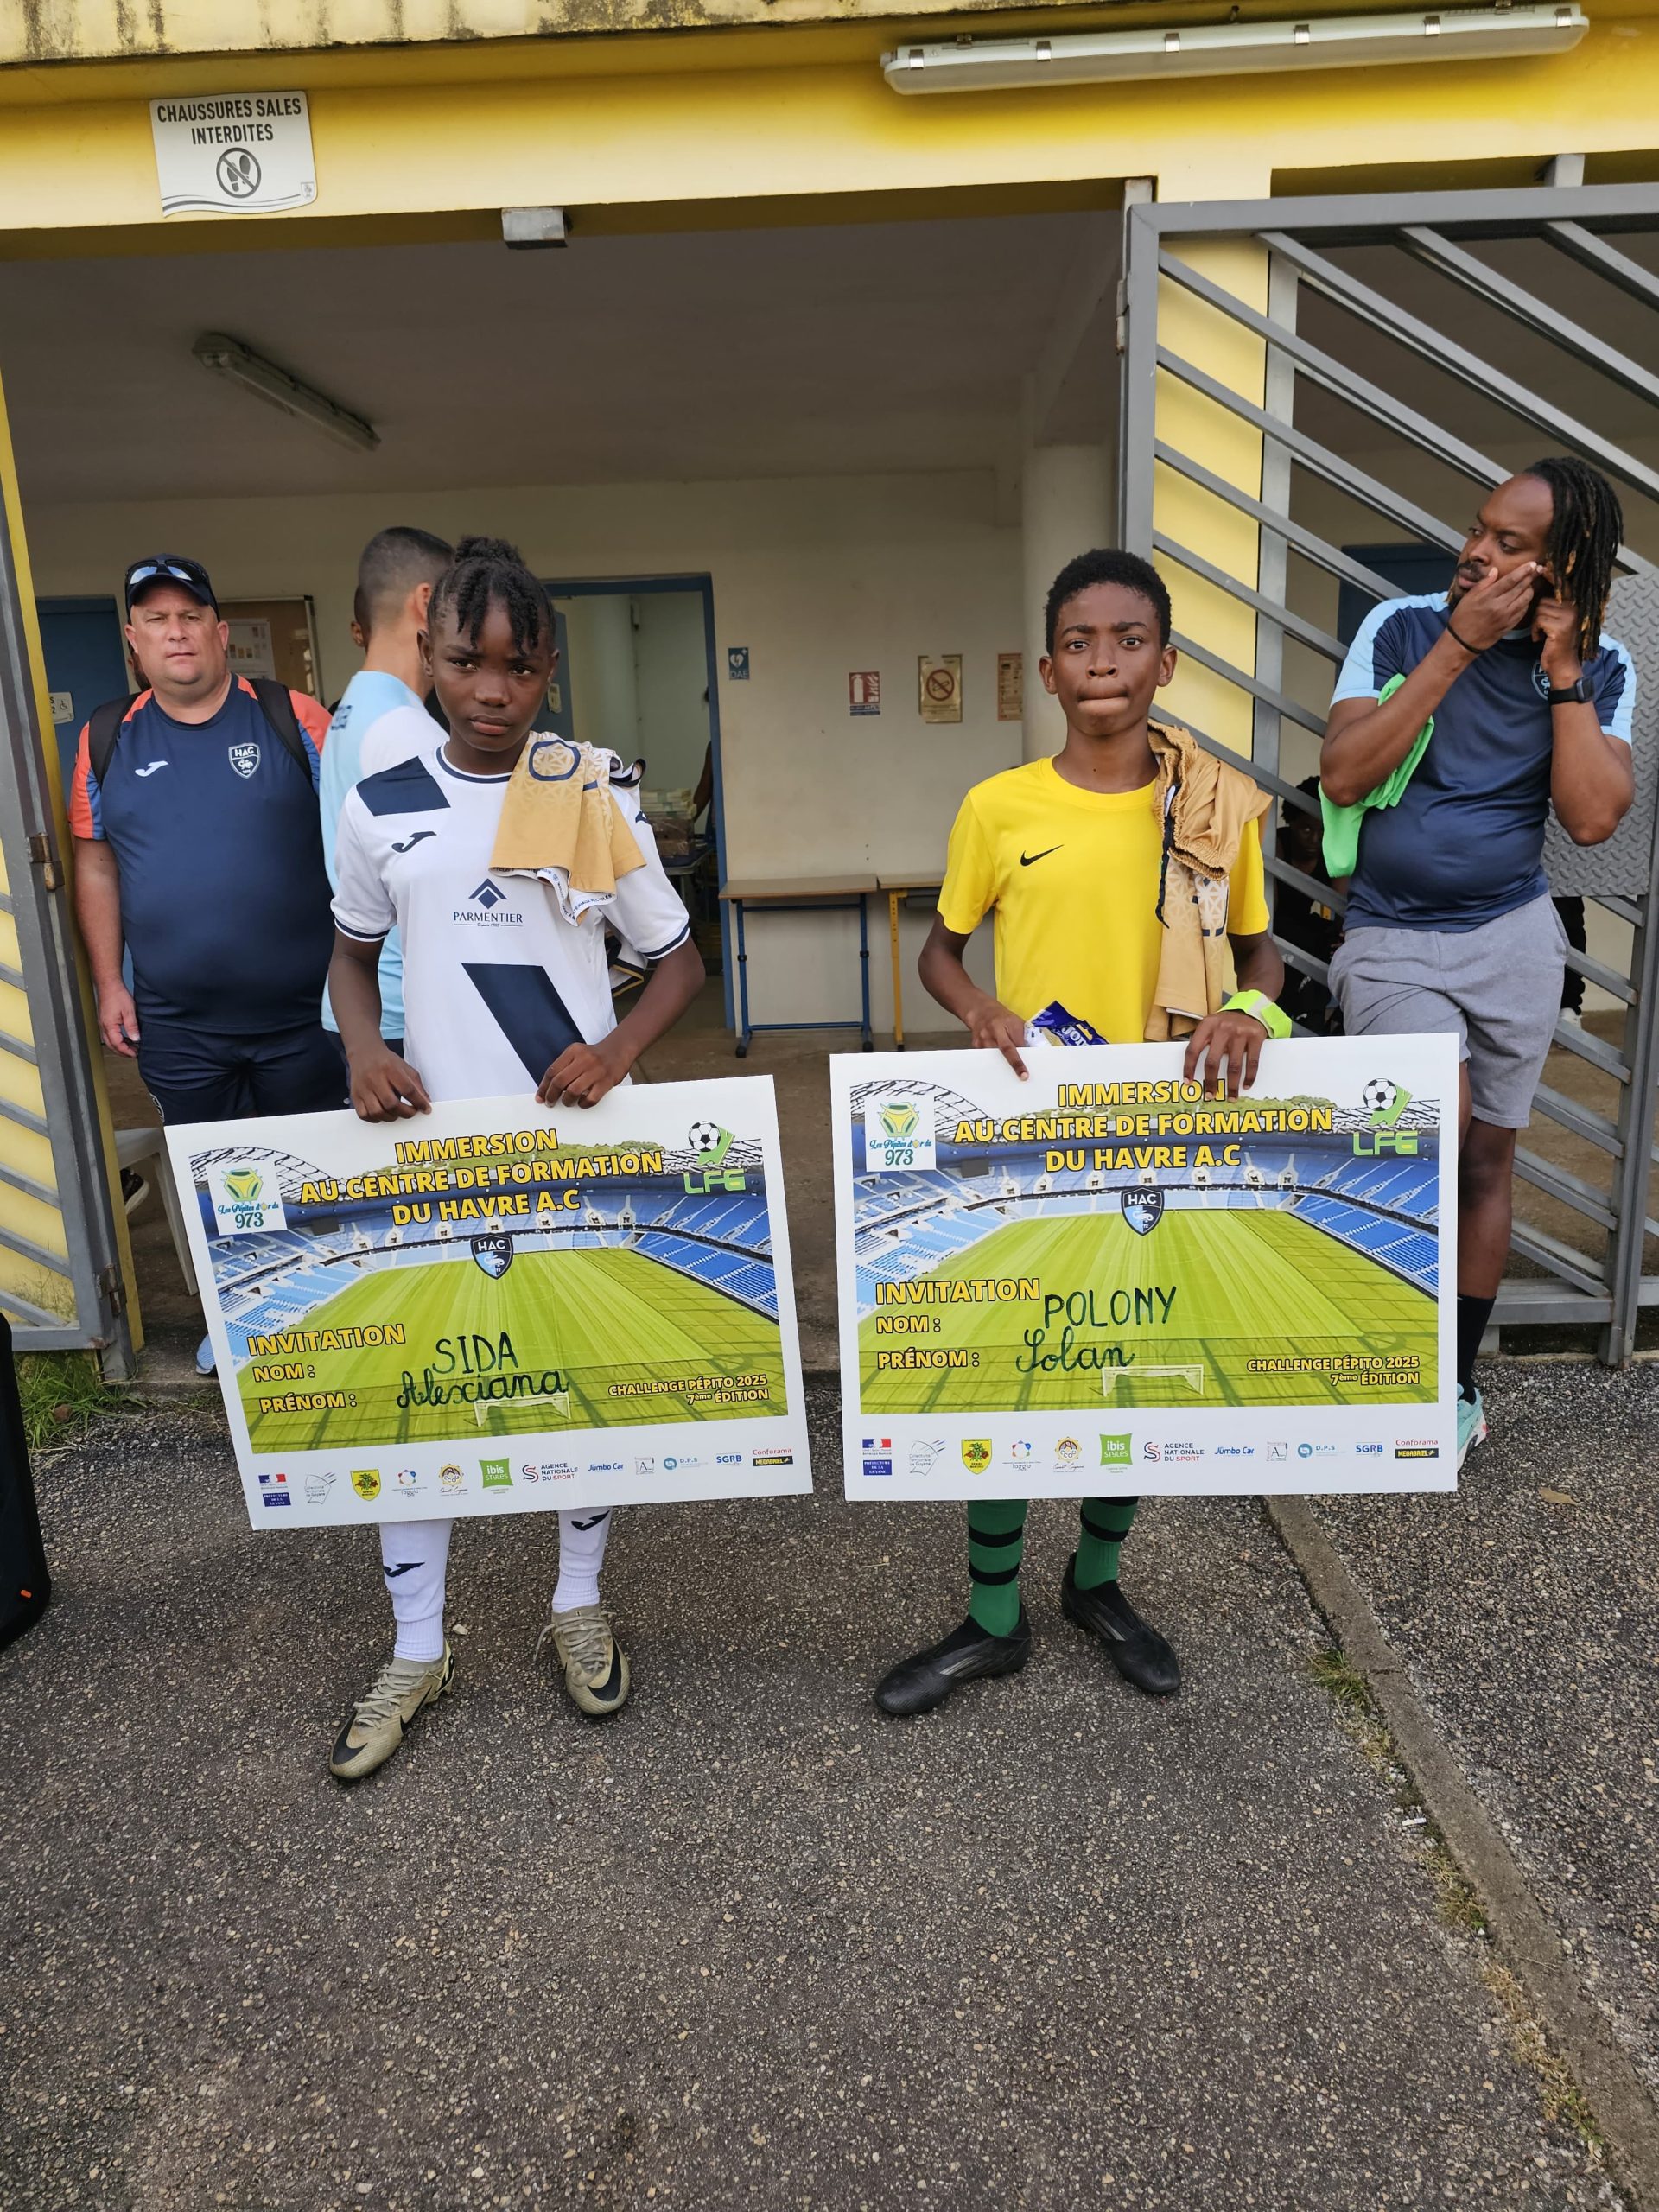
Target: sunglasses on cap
column 171, row 568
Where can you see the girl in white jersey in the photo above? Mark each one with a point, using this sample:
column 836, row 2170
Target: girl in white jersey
column 498, row 990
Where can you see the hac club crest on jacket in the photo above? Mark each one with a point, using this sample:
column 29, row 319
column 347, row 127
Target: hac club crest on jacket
column 494, row 1254
column 244, row 758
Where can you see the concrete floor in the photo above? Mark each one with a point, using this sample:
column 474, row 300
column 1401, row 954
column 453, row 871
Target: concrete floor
column 749, row 1945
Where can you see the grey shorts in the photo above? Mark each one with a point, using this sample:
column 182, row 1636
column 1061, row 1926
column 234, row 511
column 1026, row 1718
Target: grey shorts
column 1497, row 987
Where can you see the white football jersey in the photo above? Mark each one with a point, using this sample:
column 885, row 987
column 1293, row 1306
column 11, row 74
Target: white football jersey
column 496, row 983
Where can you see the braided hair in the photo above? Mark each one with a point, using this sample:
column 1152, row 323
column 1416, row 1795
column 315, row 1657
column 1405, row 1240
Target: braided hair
column 488, row 572
column 1585, row 526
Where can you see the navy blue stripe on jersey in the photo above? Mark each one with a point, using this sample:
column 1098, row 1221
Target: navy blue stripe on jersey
column 410, row 788
column 667, row 949
column 528, row 1010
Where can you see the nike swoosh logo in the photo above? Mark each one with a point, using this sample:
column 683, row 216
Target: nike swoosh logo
column 1027, row 859
column 153, row 767
column 410, row 843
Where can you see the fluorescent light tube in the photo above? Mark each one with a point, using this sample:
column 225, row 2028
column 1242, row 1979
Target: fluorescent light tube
column 1230, row 49
column 229, row 357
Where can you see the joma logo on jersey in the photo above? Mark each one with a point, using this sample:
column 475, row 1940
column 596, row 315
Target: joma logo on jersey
column 488, row 905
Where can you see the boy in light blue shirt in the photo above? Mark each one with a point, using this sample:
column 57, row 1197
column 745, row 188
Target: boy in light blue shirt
column 394, row 582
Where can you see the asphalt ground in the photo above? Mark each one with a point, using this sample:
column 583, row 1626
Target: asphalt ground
column 749, row 1945
column 1527, row 1610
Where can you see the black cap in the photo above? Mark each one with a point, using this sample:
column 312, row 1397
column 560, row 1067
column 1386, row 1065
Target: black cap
column 169, row 568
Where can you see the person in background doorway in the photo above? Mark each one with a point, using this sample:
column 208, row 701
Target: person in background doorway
column 1308, row 924
column 529, row 1009
column 1450, row 924
column 1572, row 913
column 198, row 851
column 395, row 577
column 1095, row 910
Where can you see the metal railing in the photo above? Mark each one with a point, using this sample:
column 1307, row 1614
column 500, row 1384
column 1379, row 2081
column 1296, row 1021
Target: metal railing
column 1374, row 319
column 75, row 1299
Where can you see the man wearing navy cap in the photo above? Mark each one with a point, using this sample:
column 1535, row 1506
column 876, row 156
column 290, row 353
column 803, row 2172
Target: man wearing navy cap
column 198, row 850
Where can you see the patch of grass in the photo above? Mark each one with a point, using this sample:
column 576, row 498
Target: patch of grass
column 62, row 1394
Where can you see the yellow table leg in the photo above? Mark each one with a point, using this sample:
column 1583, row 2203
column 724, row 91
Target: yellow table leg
column 897, row 981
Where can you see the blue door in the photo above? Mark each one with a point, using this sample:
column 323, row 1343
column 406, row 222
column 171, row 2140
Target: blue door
column 85, row 665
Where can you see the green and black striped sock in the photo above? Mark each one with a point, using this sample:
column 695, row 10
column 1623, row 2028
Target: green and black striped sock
column 1103, row 1524
column 996, row 1539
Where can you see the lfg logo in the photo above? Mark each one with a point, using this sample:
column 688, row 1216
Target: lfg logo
column 1385, row 1102
column 711, row 1144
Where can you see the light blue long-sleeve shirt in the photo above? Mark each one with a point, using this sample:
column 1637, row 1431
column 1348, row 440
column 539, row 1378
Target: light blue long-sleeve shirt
column 370, row 694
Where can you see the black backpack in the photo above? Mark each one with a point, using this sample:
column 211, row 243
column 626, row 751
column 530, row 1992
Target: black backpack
column 103, row 726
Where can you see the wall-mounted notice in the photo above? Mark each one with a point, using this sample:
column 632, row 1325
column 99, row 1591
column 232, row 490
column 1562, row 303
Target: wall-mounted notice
column 938, row 677
column 234, row 153
column 864, row 691
column 1010, row 687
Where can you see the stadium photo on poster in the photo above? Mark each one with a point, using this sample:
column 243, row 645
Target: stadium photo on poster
column 498, row 1307
column 1101, row 1280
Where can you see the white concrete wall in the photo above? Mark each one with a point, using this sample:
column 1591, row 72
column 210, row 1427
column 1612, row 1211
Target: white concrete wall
column 604, row 688
column 818, row 577
column 671, row 663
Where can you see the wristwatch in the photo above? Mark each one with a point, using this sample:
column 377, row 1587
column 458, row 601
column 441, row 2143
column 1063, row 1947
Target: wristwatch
column 1260, row 1007
column 1571, row 694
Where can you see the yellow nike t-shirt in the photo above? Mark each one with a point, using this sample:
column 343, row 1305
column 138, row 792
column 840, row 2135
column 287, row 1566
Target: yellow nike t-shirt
column 1072, row 879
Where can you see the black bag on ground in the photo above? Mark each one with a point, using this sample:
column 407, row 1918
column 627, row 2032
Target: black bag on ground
column 25, row 1584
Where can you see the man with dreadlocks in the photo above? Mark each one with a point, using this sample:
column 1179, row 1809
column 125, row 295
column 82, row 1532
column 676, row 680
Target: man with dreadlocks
column 501, row 993
column 1449, row 922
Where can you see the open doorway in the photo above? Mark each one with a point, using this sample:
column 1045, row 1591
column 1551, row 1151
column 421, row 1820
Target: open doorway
column 636, row 673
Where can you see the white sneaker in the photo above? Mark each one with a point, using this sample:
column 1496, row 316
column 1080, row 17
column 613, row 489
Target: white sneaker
column 378, row 1725
column 207, row 1363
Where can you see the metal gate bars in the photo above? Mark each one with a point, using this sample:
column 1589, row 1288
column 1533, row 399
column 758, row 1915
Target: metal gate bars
column 1310, row 390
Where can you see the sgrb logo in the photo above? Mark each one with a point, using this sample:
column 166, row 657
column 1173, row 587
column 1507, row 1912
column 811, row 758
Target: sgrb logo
column 1143, row 1210
column 246, row 1199
column 1385, row 1102
column 711, row 1144
column 493, row 1253
column 898, row 1134
column 976, row 1454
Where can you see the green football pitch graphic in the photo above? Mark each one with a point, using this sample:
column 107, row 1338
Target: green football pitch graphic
column 1249, row 1284
column 602, row 1317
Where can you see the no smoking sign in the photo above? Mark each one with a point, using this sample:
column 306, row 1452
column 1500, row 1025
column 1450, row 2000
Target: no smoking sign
column 939, row 687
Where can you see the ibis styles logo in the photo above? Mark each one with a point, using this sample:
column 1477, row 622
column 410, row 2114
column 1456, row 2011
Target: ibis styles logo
column 1385, row 1102
column 711, row 1144
column 898, row 1135
column 244, row 1199
column 1115, row 1452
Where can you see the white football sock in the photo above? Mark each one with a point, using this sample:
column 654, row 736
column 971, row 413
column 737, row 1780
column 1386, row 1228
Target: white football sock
column 414, row 1555
column 583, row 1538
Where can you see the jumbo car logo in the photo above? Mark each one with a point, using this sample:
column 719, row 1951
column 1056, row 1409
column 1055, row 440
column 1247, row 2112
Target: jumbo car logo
column 244, row 758
column 1143, row 1210
column 494, row 1254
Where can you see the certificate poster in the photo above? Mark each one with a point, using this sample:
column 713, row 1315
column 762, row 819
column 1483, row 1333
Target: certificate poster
column 1099, row 1282
column 501, row 1307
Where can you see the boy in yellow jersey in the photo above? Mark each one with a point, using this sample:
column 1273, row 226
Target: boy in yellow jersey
column 1113, row 872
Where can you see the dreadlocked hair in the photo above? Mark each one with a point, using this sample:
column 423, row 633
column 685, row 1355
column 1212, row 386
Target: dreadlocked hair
column 1586, row 527
column 488, row 572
